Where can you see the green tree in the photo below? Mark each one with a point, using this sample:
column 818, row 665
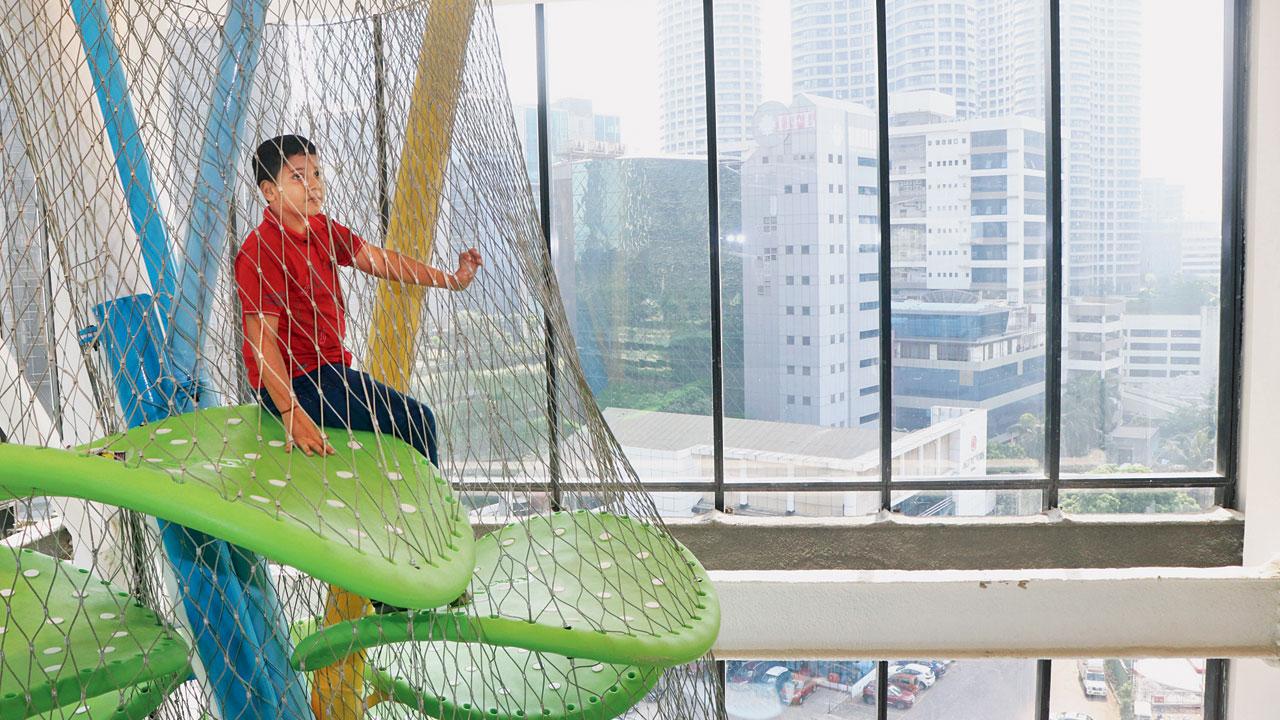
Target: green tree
column 1189, row 436
column 1194, row 451
column 1028, row 435
column 1090, row 413
column 1178, row 295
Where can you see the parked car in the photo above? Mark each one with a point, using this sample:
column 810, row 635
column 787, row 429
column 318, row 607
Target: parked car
column 898, row 697
column 1093, row 677
column 907, row 681
column 939, row 667
column 926, row 674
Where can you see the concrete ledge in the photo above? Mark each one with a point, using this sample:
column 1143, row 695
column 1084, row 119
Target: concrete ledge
column 1055, row 540
column 1222, row 612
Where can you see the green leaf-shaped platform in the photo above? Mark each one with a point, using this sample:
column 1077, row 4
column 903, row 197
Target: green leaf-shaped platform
column 68, row 640
column 479, row 682
column 582, row 585
column 376, row 518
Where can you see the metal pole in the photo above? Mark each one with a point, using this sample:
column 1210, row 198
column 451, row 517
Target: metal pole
column 1054, row 269
column 886, row 263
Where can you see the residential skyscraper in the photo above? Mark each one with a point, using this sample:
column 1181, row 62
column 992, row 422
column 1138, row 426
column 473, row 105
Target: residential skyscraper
column 989, row 55
column 682, row 88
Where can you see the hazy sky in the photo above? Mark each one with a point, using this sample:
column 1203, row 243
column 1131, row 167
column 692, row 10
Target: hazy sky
column 606, row 50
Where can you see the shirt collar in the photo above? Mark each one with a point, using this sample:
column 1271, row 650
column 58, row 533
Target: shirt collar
column 270, row 219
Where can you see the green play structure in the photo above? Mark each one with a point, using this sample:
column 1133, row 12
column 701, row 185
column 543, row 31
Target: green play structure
column 210, row 571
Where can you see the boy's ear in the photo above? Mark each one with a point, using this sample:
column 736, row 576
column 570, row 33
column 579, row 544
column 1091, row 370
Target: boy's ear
column 267, row 188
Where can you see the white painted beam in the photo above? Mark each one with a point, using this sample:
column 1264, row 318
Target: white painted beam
column 807, row 614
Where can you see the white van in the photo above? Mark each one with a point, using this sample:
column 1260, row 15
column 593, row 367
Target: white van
column 1093, row 677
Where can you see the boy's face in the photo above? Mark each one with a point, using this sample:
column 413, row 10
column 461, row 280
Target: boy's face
column 299, row 188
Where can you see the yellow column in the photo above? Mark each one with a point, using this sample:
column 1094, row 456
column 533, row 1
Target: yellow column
column 338, row 692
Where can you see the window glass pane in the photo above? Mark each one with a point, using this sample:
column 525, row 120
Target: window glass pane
column 1121, row 500
column 796, row 125
column 1116, row 689
column 759, row 689
column 1142, row 248
column 966, row 102
column 929, row 689
column 517, row 38
column 630, row 227
column 966, row 503
column 803, row 504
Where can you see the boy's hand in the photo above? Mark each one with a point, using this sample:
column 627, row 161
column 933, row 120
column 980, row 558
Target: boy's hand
column 469, row 263
column 303, row 433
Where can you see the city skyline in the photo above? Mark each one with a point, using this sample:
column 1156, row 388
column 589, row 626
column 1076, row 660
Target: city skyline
column 623, row 78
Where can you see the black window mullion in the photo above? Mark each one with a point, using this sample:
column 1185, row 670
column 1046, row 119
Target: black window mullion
column 544, row 195
column 713, row 240
column 1044, row 683
column 1053, row 237
column 1234, row 108
column 885, row 266
column 1215, row 689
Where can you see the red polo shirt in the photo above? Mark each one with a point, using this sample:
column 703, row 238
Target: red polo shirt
column 295, row 278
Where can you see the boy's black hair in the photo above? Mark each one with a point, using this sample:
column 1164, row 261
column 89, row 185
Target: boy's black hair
column 270, row 155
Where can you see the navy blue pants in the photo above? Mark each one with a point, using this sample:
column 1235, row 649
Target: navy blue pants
column 336, row 396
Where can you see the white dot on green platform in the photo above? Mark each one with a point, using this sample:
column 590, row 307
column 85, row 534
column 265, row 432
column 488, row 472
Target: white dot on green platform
column 276, row 443
column 652, row 605
column 82, row 709
column 52, row 650
column 108, row 649
column 553, row 686
column 234, row 421
column 358, row 532
column 107, row 616
column 30, row 573
column 120, row 634
column 605, row 536
column 407, row 508
column 643, row 555
column 605, row 564
column 163, row 431
column 260, row 498
column 508, row 542
column 251, row 456
column 394, row 476
column 336, row 503
column 178, row 441
column 659, row 581
column 277, row 482
column 603, row 595
column 6, row 592
column 344, row 474
column 53, row 668
column 598, row 667
column 55, row 620
column 559, row 531
column 354, row 445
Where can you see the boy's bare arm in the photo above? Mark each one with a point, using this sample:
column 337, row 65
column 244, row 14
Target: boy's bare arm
column 262, row 332
column 394, row 266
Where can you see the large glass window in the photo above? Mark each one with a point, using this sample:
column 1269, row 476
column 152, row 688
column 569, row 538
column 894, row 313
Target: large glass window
column 968, row 290
column 630, row 226
column 1141, row 226
column 797, row 251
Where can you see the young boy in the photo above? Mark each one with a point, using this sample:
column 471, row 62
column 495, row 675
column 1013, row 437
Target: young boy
column 295, row 316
